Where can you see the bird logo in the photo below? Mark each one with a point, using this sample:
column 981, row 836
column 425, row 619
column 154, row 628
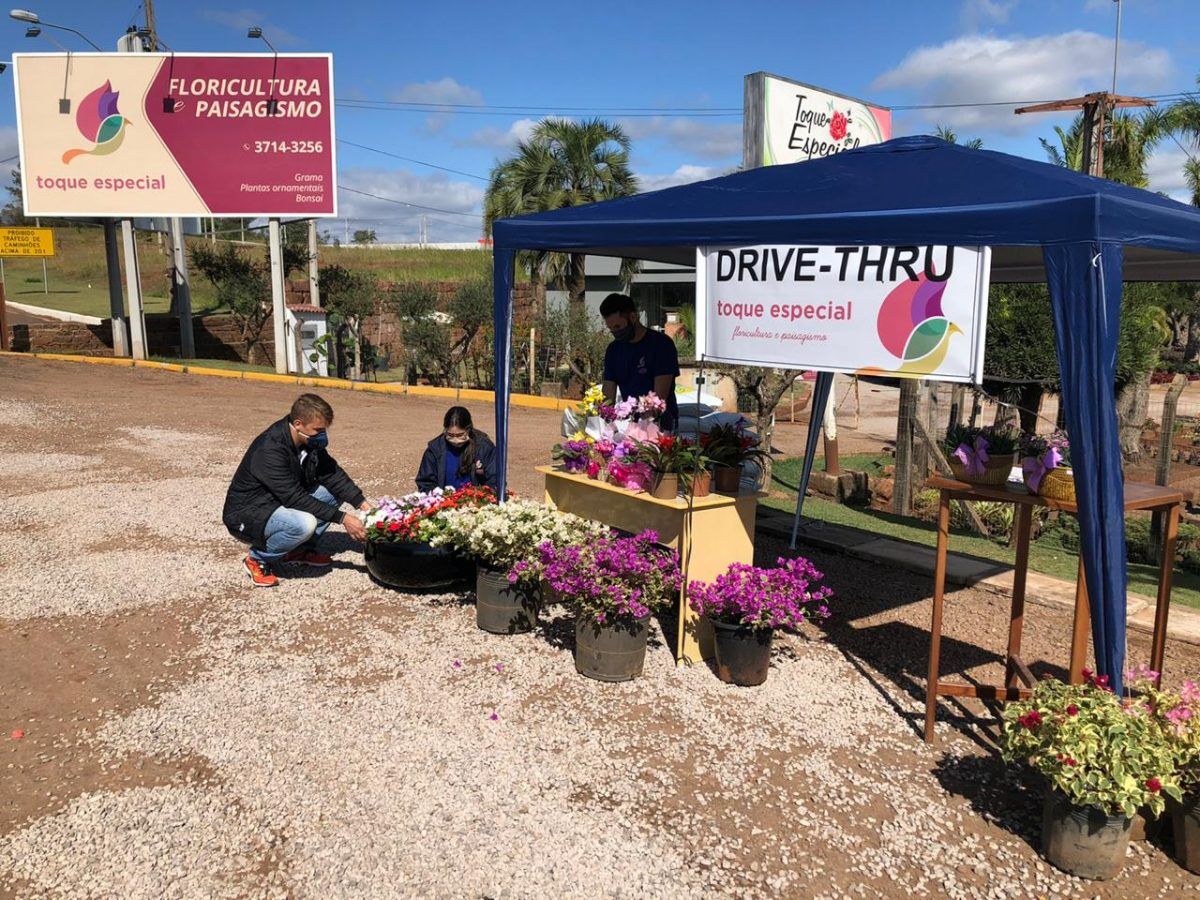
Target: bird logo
column 99, row 120
column 913, row 328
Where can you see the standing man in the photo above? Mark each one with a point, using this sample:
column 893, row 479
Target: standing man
column 288, row 490
column 638, row 360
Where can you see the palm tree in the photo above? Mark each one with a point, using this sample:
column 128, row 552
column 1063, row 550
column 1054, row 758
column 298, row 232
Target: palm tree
column 564, row 163
column 946, row 134
column 1182, row 120
column 1126, row 149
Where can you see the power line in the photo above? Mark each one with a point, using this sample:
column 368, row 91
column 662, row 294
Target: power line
column 449, row 212
column 428, row 105
column 355, row 104
column 419, row 162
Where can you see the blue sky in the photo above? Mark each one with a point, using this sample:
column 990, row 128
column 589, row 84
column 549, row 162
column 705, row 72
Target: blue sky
column 642, row 63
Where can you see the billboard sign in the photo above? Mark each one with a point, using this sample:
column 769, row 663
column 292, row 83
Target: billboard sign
column 183, row 134
column 788, row 121
column 27, row 242
column 915, row 312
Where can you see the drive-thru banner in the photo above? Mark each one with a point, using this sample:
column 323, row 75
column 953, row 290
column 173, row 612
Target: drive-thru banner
column 154, row 134
column 915, row 311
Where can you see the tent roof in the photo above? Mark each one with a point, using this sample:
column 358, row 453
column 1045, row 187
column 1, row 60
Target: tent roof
column 912, row 190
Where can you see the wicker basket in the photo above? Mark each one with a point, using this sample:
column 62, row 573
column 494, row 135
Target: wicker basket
column 995, row 471
column 1058, row 484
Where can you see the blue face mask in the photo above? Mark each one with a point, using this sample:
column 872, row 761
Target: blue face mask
column 318, row 441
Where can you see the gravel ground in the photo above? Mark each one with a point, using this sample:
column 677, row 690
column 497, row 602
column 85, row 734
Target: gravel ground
column 185, row 736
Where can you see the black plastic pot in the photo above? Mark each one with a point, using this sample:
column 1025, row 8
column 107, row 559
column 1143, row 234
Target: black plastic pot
column 1083, row 840
column 1186, row 819
column 743, row 653
column 413, row 566
column 503, row 608
column 612, row 652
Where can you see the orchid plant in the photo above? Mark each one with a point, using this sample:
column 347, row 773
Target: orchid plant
column 760, row 598
column 974, row 447
column 1041, row 454
column 1091, row 747
column 612, row 580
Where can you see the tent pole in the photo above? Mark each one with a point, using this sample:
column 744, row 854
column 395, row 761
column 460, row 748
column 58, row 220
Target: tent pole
column 820, row 398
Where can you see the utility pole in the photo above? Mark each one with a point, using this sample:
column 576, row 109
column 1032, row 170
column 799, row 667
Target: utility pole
column 151, row 26
column 314, row 292
column 278, row 299
column 1096, row 107
column 130, row 43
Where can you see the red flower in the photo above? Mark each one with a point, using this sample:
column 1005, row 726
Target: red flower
column 837, row 126
column 1072, row 710
column 1070, row 762
column 1153, row 785
column 394, row 527
column 1031, row 719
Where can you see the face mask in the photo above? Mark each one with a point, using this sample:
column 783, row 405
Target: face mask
column 318, row 441
column 624, row 334
column 458, row 442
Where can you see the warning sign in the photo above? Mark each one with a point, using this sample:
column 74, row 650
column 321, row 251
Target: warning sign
column 26, row 242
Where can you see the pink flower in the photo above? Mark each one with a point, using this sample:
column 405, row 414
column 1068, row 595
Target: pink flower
column 456, row 664
column 17, row 734
column 1190, row 692
column 499, row 667
column 495, row 717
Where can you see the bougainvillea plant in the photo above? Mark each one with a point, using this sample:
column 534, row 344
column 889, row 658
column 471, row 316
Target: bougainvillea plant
column 1091, row 747
column 1177, row 715
column 613, row 580
column 780, row 597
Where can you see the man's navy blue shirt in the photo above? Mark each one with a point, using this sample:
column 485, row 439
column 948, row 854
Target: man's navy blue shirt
column 634, row 366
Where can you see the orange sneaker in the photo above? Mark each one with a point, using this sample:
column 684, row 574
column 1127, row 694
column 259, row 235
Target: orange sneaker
column 260, row 573
column 309, row 558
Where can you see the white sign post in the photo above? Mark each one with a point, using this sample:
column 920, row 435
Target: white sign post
column 913, row 311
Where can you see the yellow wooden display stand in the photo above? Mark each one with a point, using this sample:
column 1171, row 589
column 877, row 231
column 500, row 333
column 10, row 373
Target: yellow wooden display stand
column 710, row 534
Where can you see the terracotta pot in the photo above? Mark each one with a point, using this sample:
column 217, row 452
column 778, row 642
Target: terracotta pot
column 728, row 479
column 702, row 483
column 666, row 486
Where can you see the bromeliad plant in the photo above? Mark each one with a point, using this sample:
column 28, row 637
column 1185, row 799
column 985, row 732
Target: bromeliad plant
column 671, row 455
column 506, row 537
column 782, row 597
column 1091, row 748
column 612, row 580
column 731, row 445
column 416, row 517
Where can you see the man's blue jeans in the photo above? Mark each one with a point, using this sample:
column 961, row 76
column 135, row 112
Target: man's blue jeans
column 288, row 529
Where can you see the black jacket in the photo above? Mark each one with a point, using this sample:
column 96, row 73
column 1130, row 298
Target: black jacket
column 271, row 475
column 433, row 463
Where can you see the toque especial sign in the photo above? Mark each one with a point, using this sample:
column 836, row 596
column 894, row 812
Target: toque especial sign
column 909, row 311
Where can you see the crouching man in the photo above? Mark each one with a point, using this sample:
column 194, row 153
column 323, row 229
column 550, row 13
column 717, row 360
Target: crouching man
column 288, row 490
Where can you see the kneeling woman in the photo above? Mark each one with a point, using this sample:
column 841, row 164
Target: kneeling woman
column 459, row 456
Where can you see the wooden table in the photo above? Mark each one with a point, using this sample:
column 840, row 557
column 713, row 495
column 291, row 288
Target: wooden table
column 1137, row 497
column 710, row 534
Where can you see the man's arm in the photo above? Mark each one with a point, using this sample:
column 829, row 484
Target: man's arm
column 610, row 392
column 337, row 482
column 664, row 385
column 666, row 369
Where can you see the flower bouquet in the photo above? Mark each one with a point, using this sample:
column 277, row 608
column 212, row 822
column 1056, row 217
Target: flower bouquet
column 1177, row 715
column 1102, row 761
column 1046, row 463
column 748, row 603
column 615, row 583
column 729, row 448
column 503, row 539
column 981, row 455
column 399, row 552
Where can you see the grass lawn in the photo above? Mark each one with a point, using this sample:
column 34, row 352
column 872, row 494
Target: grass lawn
column 1048, row 558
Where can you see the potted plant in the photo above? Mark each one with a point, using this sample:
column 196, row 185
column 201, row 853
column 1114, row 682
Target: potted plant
column 615, row 584
column 399, row 552
column 674, row 461
column 1177, row 714
column 981, row 455
column 1046, row 464
column 747, row 604
column 500, row 538
column 729, row 448
column 573, row 455
column 1101, row 760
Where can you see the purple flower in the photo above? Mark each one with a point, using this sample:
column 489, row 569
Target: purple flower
column 499, row 667
column 495, row 717
column 457, row 664
column 780, row 597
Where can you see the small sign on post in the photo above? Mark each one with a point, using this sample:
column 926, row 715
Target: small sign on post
column 35, row 242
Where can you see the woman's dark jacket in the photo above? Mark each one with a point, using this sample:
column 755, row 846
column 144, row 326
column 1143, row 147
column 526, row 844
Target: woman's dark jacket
column 271, row 475
column 433, row 463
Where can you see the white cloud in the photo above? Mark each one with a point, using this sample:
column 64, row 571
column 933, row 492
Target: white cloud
column 444, row 90
column 241, row 19
column 501, row 138
column 1165, row 170
column 979, row 68
column 701, row 138
column 981, row 12
column 8, row 147
column 685, row 174
column 398, row 223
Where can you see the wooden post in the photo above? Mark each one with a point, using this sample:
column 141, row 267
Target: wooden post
column 940, row 462
column 532, row 359
column 829, row 427
column 920, row 454
column 902, row 492
column 935, row 625
column 958, row 398
column 976, row 408
column 1162, row 474
column 4, row 342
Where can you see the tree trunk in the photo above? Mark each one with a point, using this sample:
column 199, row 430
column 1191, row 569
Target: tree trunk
column 1191, row 350
column 1133, row 406
column 1029, row 405
column 537, row 284
column 767, row 393
column 577, row 287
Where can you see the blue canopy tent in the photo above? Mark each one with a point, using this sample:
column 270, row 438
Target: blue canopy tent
column 1081, row 235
